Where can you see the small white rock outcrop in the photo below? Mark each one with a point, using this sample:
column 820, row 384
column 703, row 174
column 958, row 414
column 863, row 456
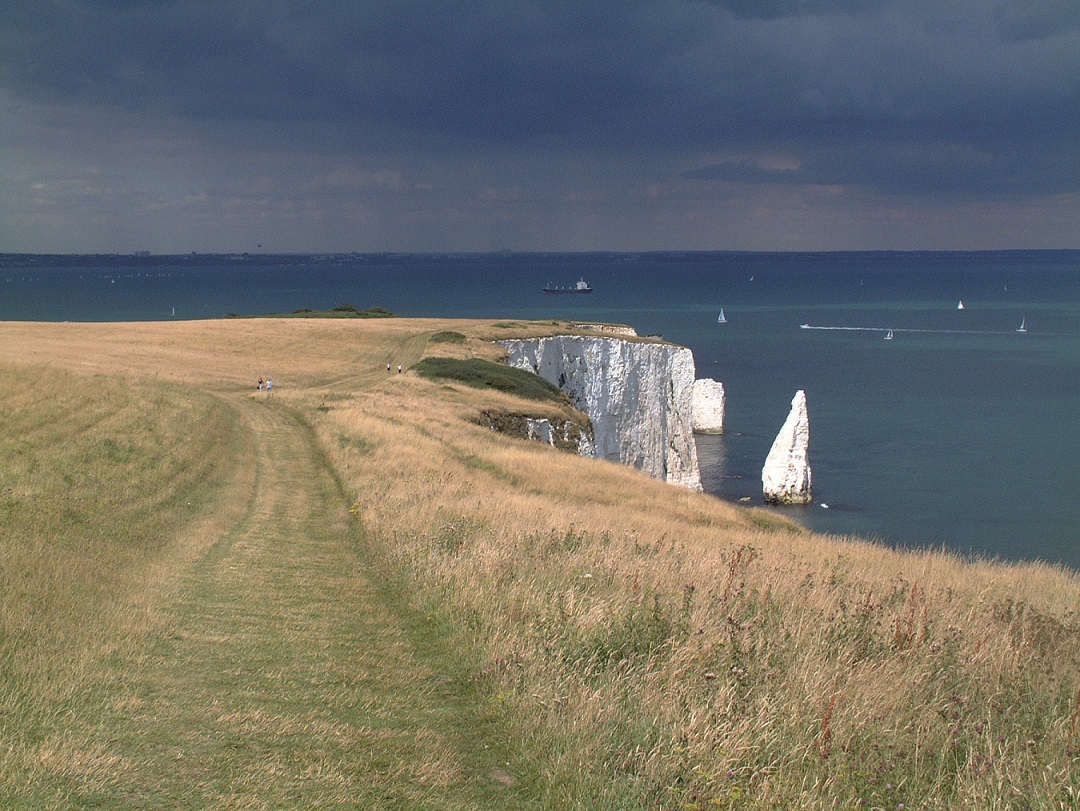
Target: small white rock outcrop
column 560, row 434
column 785, row 479
column 708, row 406
column 610, row 329
column 638, row 397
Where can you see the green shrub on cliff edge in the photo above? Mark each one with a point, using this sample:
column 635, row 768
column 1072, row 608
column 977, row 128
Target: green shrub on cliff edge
column 483, row 374
column 341, row 311
column 351, row 310
column 447, row 337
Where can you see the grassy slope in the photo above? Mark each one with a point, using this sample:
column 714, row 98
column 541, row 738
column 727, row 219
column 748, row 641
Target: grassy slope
column 202, row 629
column 498, row 623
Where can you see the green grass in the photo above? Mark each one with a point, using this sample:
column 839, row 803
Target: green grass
column 269, row 663
column 192, row 615
column 634, row 678
column 484, row 374
column 341, row 311
column 98, row 478
column 447, row 337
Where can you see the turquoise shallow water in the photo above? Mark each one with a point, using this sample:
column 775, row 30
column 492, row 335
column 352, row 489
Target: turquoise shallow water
column 959, row 432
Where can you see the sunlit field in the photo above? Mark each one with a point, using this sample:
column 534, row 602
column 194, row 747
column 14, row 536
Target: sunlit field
column 353, row 593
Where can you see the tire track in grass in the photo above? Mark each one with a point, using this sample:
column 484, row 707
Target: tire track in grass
column 283, row 679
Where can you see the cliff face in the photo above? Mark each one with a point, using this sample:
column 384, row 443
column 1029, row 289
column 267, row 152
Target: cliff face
column 638, row 397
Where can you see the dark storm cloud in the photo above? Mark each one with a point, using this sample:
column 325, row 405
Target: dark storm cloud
column 500, row 70
column 771, row 9
column 939, row 169
column 967, row 98
column 594, row 73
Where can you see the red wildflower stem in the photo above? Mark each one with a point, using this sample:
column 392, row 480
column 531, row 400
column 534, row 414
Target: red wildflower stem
column 825, row 741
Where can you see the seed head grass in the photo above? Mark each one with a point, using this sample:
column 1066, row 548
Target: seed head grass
column 650, row 646
column 571, row 633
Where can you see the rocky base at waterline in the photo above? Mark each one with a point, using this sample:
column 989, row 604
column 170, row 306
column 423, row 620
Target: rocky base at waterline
column 786, row 477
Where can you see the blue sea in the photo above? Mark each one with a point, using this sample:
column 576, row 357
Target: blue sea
column 960, row 432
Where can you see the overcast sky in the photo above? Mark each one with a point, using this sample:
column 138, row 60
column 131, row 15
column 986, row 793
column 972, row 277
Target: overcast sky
column 447, row 125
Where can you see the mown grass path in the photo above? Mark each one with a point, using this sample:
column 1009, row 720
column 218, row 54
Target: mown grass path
column 285, row 675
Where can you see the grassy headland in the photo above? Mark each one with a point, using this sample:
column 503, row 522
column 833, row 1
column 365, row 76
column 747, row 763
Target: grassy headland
column 341, row 311
column 351, row 593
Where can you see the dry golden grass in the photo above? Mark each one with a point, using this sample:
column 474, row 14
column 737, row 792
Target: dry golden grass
column 637, row 645
column 88, row 553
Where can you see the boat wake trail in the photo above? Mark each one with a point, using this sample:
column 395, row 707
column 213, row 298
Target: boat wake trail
column 902, row 329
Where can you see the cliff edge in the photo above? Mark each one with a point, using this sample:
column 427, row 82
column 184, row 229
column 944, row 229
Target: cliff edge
column 638, row 397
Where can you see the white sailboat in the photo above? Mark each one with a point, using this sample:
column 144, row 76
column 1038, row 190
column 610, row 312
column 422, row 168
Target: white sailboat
column 888, row 335
column 720, row 319
column 1023, row 325
column 960, row 306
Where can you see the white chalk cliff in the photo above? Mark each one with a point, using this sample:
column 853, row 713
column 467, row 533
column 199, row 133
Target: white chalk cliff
column 708, row 406
column 637, row 395
column 785, row 479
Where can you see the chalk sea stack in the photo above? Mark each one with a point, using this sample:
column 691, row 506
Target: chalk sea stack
column 785, row 479
column 708, row 406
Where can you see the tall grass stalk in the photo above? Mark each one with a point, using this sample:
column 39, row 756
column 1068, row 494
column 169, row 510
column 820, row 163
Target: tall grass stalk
column 622, row 644
column 650, row 647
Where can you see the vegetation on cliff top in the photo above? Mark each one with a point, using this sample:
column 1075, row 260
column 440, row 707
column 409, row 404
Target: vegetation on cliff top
column 447, row 337
column 484, row 374
column 341, row 311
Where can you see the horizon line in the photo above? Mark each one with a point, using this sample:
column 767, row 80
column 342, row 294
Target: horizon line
column 532, row 252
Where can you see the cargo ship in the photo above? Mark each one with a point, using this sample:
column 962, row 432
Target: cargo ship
column 582, row 286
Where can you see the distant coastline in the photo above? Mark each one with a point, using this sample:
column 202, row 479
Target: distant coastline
column 150, row 259
column 939, row 386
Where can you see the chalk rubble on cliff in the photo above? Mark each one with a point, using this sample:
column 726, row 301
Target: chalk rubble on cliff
column 708, row 406
column 561, row 433
column 637, row 396
column 785, row 479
